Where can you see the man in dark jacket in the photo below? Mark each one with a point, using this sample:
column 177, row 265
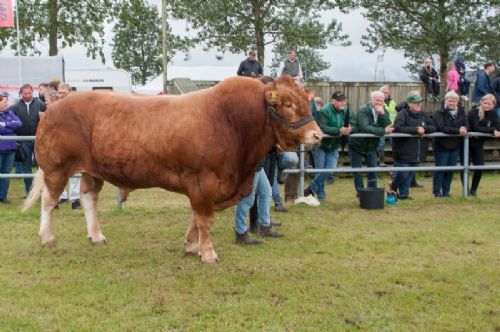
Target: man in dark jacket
column 371, row 119
column 483, row 84
column 28, row 110
column 250, row 67
column 409, row 152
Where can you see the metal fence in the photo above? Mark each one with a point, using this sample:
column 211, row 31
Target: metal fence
column 302, row 170
column 465, row 168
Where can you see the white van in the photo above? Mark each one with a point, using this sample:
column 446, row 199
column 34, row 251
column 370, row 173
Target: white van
column 87, row 79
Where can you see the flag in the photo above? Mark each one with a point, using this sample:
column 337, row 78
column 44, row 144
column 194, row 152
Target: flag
column 6, row 14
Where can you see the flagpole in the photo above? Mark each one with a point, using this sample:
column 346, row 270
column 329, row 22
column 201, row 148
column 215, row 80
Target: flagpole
column 18, row 45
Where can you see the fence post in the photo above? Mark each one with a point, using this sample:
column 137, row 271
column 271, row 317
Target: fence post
column 465, row 171
column 302, row 170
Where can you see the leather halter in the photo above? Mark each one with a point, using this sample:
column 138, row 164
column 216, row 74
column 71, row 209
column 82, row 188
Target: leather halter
column 291, row 126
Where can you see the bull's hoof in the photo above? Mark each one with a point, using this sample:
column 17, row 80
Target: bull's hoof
column 99, row 240
column 191, row 248
column 210, row 258
column 49, row 241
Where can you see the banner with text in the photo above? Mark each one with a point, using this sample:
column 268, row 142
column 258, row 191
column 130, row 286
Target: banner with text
column 6, row 14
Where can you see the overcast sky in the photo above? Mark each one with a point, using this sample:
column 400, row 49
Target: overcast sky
column 347, row 63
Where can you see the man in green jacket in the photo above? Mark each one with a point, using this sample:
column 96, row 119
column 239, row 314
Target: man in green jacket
column 333, row 119
column 370, row 119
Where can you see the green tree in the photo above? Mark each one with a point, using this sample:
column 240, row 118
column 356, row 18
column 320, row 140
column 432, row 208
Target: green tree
column 137, row 40
column 61, row 23
column 239, row 25
column 444, row 27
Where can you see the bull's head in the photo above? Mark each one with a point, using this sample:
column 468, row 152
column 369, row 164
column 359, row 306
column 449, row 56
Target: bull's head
column 290, row 114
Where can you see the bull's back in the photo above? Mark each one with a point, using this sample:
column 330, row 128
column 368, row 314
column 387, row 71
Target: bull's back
column 128, row 140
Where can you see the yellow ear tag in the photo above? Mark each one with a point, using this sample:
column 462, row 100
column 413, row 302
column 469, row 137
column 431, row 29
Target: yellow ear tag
column 274, row 96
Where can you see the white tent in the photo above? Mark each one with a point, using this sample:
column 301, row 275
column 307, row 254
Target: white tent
column 195, row 73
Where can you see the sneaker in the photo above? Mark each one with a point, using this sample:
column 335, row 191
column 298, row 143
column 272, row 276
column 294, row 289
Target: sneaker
column 4, row 200
column 404, row 197
column 465, row 98
column 309, row 200
column 436, row 98
column 63, row 200
column 429, row 98
column 75, row 205
column 280, row 208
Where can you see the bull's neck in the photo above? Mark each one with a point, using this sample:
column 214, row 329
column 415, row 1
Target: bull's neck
column 256, row 132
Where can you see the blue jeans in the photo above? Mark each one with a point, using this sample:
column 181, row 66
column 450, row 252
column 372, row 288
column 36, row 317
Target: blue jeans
column 323, row 159
column 498, row 112
column 276, row 189
column 357, row 161
column 441, row 180
column 27, row 165
column 402, row 179
column 262, row 189
column 6, row 164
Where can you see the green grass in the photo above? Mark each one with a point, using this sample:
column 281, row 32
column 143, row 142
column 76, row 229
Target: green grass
column 422, row 265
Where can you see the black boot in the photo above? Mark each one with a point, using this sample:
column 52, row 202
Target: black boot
column 246, row 239
column 267, row 231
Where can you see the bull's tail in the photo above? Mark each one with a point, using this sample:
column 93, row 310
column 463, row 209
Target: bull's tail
column 36, row 190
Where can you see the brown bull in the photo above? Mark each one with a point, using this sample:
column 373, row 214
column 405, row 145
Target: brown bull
column 205, row 145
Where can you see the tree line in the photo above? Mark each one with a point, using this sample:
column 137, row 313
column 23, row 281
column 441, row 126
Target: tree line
column 418, row 28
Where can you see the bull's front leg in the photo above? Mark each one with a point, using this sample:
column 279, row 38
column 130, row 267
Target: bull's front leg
column 205, row 247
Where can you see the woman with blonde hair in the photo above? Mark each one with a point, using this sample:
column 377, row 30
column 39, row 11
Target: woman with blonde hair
column 430, row 77
column 449, row 120
column 482, row 119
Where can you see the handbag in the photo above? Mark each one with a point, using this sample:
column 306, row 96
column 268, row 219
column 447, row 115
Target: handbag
column 21, row 155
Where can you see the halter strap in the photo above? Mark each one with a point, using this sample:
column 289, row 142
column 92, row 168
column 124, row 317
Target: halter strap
column 288, row 124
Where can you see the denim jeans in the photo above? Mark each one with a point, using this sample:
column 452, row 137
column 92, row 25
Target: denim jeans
column 323, row 159
column 402, row 179
column 27, row 165
column 262, row 189
column 357, row 161
column 6, row 164
column 276, row 189
column 441, row 181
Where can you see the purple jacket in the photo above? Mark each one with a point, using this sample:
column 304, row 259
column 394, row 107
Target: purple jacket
column 12, row 123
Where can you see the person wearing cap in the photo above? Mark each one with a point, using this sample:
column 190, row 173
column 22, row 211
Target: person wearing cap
column 333, row 119
column 250, row 67
column 370, row 119
column 410, row 151
column 451, row 119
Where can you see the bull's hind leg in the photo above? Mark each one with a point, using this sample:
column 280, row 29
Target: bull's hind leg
column 90, row 188
column 205, row 247
column 52, row 188
column 48, row 204
column 191, row 238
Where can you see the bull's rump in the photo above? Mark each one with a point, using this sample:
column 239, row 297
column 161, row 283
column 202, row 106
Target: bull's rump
column 135, row 142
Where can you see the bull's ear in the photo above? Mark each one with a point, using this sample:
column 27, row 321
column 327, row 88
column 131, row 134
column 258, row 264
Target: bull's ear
column 272, row 96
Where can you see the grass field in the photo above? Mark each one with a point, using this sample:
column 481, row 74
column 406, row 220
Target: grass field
column 422, row 265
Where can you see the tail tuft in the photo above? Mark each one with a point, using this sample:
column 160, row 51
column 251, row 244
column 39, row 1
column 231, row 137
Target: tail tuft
column 35, row 192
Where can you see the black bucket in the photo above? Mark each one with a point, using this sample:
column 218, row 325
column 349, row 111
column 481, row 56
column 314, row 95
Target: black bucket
column 371, row 198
